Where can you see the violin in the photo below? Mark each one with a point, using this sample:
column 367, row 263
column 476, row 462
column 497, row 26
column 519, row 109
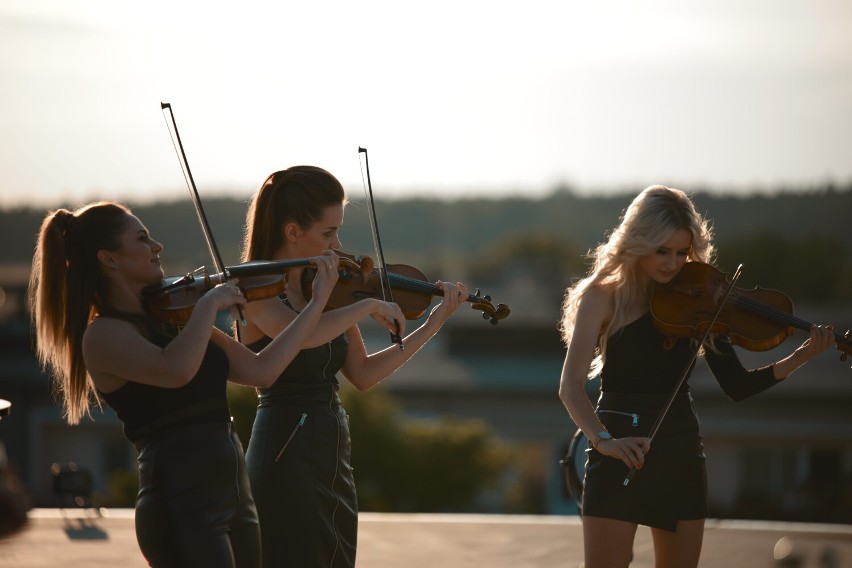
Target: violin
column 702, row 300
column 412, row 292
column 173, row 300
column 758, row 319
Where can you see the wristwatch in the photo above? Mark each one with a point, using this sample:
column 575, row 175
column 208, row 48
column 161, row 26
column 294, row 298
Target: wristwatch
column 601, row 436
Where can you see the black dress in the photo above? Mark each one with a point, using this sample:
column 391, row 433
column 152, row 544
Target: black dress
column 194, row 506
column 637, row 379
column 299, row 464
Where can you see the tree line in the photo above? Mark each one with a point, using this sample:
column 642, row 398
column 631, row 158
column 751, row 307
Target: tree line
column 795, row 241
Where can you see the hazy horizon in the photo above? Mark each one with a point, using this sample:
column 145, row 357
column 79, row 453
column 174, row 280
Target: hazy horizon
column 451, row 99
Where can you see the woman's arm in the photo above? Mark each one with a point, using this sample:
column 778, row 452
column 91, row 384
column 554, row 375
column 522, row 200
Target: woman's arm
column 115, row 351
column 365, row 371
column 740, row 383
column 263, row 368
column 272, row 316
column 821, row 338
column 594, row 310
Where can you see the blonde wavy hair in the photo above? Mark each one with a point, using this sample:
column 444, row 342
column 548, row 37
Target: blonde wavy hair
column 647, row 223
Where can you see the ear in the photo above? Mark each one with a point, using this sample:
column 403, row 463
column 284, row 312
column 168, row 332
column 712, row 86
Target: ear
column 107, row 259
column 292, row 232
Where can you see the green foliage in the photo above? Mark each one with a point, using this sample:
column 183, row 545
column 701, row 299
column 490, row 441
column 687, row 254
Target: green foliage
column 243, row 404
column 546, row 258
column 441, row 465
column 405, row 465
column 814, row 267
column 440, row 236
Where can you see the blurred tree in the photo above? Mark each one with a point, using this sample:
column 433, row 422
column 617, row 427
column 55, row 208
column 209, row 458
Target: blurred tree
column 404, row 465
column 243, row 404
column 813, row 268
column 440, row 465
column 548, row 259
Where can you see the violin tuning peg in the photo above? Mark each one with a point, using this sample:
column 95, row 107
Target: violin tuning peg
column 488, row 297
column 477, row 293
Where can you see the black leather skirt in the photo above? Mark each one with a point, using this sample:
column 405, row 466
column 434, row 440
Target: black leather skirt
column 299, row 464
column 672, row 484
column 195, row 506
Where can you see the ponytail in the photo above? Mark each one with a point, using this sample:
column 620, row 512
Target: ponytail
column 66, row 292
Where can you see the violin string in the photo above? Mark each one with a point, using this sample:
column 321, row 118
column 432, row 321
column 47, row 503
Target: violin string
column 764, row 310
column 769, row 312
column 416, row 285
column 779, row 316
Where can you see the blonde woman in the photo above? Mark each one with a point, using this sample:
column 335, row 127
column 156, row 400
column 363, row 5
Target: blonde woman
column 607, row 328
column 194, row 506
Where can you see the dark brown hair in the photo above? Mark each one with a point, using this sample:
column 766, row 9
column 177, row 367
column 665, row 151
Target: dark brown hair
column 67, row 291
column 299, row 194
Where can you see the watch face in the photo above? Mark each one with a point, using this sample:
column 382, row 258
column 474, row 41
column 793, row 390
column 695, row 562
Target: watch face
column 605, row 435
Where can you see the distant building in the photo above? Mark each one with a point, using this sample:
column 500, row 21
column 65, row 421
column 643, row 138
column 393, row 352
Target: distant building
column 34, row 433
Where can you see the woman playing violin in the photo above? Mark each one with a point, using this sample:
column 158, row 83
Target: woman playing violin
column 608, row 330
column 194, row 506
column 299, row 452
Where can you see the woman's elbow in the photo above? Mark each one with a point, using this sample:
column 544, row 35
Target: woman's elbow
column 261, row 377
column 361, row 380
column 736, row 396
column 361, row 383
column 564, row 393
column 177, row 378
column 261, row 382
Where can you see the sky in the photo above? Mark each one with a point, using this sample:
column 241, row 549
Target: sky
column 452, row 99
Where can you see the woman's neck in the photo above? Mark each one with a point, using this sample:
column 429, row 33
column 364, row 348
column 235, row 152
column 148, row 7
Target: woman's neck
column 124, row 300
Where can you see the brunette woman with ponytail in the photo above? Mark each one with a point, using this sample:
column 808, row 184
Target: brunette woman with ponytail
column 167, row 386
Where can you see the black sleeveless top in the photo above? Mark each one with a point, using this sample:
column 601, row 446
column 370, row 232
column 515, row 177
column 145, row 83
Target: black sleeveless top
column 312, row 375
column 145, row 409
column 638, row 362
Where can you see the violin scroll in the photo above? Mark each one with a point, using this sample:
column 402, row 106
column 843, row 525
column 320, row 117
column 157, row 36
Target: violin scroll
column 490, row 312
column 844, row 346
column 412, row 292
column 350, row 264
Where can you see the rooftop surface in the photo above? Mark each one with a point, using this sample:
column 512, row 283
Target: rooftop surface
column 68, row 538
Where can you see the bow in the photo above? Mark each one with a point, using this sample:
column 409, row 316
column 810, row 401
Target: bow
column 196, row 200
column 686, row 369
column 387, row 294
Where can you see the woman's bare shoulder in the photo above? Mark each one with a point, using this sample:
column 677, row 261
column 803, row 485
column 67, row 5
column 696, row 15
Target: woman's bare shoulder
column 108, row 330
column 600, row 294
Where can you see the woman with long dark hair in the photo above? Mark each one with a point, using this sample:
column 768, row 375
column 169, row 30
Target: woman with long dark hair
column 167, row 386
column 299, row 452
